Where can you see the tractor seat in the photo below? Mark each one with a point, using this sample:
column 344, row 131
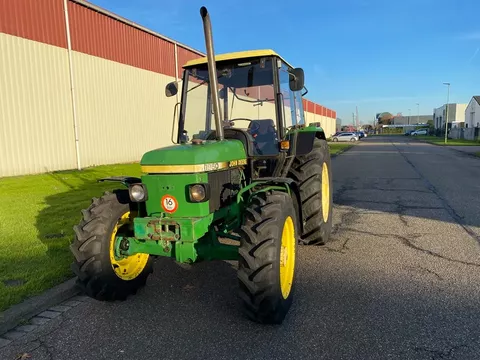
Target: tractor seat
column 265, row 136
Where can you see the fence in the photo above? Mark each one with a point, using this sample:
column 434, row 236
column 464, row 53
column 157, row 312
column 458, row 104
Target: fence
column 465, row 133
column 80, row 87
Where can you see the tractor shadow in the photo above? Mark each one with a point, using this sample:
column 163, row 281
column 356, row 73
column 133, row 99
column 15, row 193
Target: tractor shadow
column 62, row 211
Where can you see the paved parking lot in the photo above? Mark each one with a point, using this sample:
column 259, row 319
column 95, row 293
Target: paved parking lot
column 400, row 280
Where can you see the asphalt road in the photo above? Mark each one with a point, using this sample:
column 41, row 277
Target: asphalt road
column 400, row 280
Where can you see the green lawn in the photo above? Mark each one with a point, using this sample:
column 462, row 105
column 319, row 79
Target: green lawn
column 335, row 148
column 450, row 142
column 37, row 214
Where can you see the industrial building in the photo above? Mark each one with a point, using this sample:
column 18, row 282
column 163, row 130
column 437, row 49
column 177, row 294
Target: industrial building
column 80, row 86
column 456, row 115
column 411, row 120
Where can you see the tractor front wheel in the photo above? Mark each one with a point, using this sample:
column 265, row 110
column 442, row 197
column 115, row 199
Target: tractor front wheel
column 267, row 257
column 103, row 275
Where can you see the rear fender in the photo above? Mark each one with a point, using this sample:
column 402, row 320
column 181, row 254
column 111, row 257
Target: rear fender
column 302, row 139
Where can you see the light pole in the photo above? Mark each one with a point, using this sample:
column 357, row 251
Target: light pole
column 409, row 111
column 446, row 111
column 418, row 113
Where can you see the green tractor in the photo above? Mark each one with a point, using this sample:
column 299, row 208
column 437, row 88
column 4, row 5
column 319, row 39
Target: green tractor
column 248, row 189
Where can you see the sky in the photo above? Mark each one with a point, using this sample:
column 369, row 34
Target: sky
column 378, row 55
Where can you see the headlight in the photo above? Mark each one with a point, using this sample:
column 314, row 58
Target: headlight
column 199, row 192
column 138, row 193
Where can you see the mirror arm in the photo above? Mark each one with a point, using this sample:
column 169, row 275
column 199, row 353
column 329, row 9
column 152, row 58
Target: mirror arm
column 306, row 91
column 174, row 121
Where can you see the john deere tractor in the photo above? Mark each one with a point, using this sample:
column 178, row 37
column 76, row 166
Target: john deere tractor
column 246, row 180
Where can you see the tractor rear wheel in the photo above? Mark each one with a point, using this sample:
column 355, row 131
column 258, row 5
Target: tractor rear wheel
column 267, row 257
column 101, row 274
column 313, row 175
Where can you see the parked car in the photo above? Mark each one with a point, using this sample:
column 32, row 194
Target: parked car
column 420, row 132
column 408, row 132
column 345, row 136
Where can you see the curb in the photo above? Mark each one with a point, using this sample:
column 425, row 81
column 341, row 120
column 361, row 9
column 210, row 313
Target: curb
column 340, row 152
column 11, row 317
column 466, row 153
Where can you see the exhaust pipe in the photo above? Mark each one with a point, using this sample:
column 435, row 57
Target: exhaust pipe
column 212, row 70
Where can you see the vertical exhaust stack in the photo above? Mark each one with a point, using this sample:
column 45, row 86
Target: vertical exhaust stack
column 212, row 70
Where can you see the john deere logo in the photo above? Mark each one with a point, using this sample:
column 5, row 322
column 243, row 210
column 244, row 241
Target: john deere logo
column 237, row 162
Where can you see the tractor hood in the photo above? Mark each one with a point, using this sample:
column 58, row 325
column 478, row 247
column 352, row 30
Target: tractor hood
column 193, row 154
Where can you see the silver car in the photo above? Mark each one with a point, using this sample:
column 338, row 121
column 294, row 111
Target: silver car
column 345, row 136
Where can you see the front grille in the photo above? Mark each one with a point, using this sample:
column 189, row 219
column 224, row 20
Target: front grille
column 224, row 186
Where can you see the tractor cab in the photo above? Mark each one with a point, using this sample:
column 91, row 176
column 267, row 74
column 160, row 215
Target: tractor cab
column 259, row 97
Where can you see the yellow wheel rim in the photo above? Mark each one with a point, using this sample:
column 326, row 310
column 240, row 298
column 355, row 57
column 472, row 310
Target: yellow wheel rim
column 287, row 257
column 130, row 267
column 325, row 192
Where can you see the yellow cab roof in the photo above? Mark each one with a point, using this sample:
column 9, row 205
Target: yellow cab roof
column 235, row 56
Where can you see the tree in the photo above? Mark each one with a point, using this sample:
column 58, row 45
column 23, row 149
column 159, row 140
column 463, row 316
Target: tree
column 368, row 127
column 385, row 118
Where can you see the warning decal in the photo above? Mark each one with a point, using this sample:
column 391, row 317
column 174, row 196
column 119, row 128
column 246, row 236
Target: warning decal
column 169, row 204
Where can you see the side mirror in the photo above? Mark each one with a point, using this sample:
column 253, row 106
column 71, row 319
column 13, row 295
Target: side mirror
column 171, row 89
column 297, row 79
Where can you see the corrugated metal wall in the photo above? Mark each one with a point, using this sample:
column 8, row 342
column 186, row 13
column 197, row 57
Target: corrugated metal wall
column 121, row 110
column 119, row 73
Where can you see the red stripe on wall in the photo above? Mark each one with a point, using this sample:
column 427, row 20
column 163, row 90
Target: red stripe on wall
column 37, row 20
column 311, row 107
column 99, row 35
column 183, row 56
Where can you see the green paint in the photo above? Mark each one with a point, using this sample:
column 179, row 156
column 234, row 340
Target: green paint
column 175, row 186
column 188, row 154
column 171, row 229
column 195, row 243
column 309, row 128
column 160, row 248
column 217, row 251
column 278, row 186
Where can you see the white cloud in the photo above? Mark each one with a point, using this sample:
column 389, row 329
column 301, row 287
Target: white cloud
column 474, row 55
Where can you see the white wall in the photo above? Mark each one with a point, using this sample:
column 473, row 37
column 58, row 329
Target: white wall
column 472, row 114
column 459, row 113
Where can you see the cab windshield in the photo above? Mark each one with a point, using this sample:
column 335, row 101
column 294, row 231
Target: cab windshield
column 247, row 100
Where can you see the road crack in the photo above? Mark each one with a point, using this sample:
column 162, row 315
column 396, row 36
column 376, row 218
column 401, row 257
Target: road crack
column 451, row 211
column 342, row 250
column 409, row 243
column 422, row 269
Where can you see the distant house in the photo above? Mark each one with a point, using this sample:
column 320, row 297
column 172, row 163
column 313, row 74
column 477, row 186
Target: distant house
column 472, row 113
